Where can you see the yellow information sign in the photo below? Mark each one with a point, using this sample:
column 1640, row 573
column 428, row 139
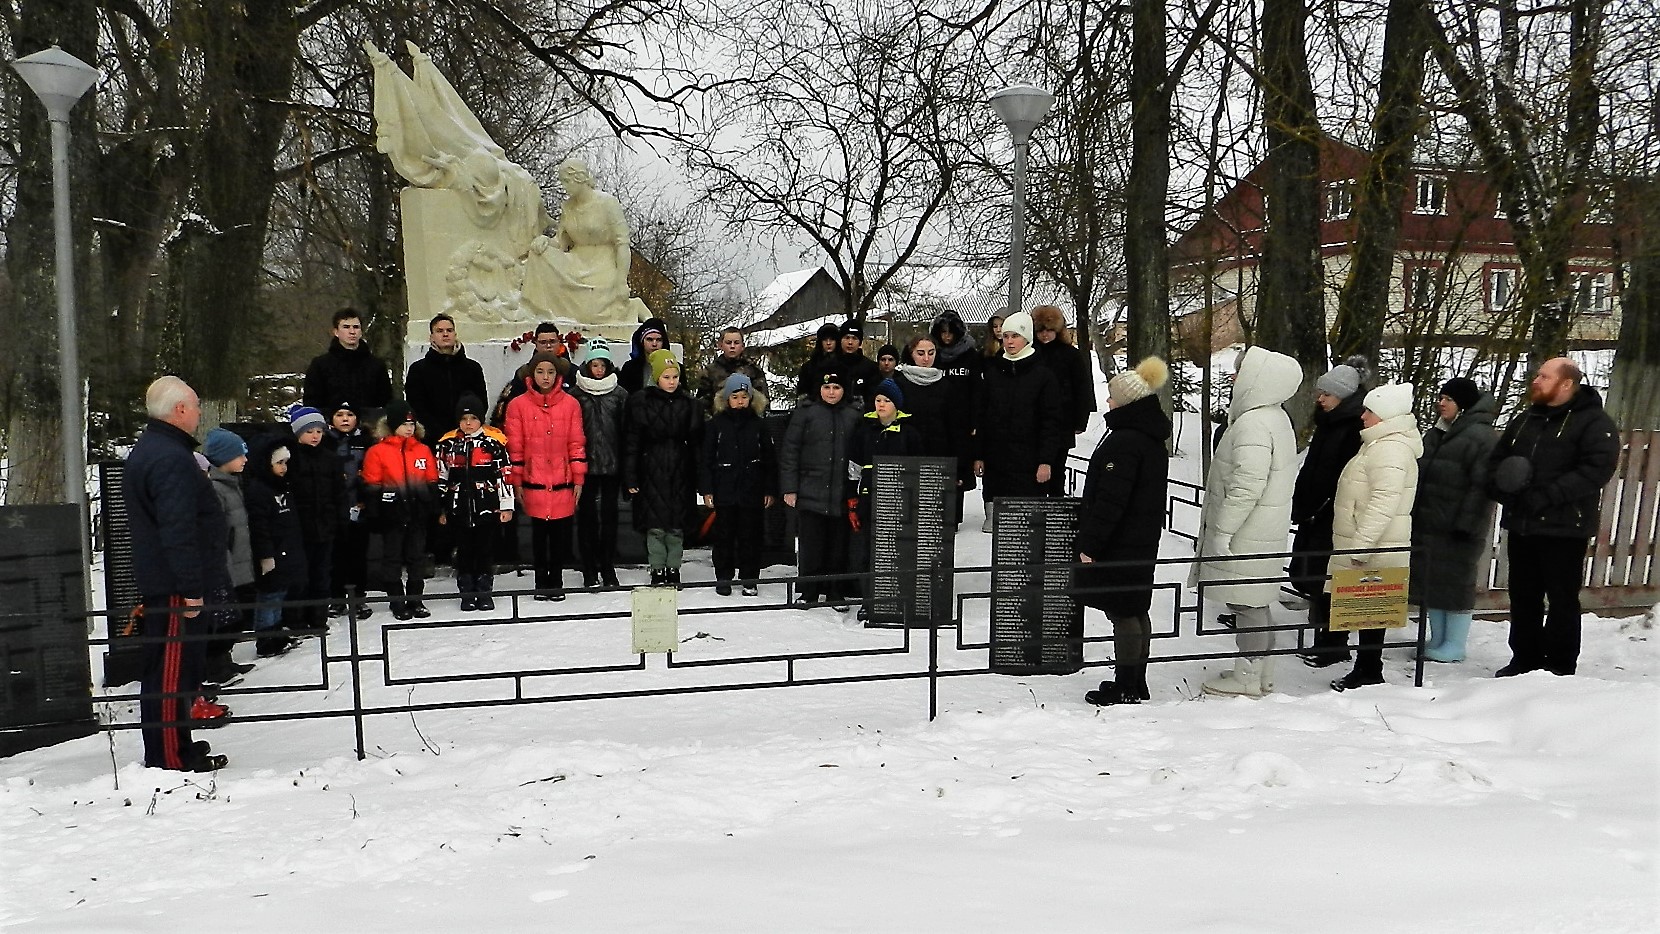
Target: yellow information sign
column 1368, row 598
column 656, row 619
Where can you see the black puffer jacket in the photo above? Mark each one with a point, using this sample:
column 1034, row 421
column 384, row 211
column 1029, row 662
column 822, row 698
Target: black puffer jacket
column 1022, row 424
column 436, row 382
column 602, row 425
column 349, row 449
column 934, row 413
column 964, row 368
column 340, row 375
column 1336, row 439
column 1071, row 368
column 738, row 466
column 871, row 440
column 812, row 463
column 178, row 529
column 820, row 363
column 661, row 437
column 317, row 488
column 635, row 370
column 273, row 525
column 1451, row 514
column 1123, row 508
column 1573, row 450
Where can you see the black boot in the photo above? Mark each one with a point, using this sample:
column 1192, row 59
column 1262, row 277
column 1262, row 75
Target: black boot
column 416, row 608
column 608, row 576
column 659, row 577
column 1329, row 648
column 484, row 584
column 672, row 577
column 464, row 585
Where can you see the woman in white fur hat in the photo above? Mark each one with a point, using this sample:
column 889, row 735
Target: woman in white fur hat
column 1373, row 509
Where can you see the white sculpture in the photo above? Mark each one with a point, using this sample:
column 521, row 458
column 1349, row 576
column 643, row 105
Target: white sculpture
column 473, row 219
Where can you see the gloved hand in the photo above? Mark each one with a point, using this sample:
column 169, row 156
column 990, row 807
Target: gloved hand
column 853, row 513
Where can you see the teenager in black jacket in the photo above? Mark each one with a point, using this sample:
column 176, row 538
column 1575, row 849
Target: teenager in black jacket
column 1070, row 365
column 883, row 432
column 964, row 367
column 738, row 477
column 1123, row 521
column 318, row 493
column 274, row 539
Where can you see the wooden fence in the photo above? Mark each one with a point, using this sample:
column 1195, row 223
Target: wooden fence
column 1620, row 570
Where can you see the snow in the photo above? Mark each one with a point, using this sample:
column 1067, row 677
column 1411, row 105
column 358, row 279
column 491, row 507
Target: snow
column 1470, row 804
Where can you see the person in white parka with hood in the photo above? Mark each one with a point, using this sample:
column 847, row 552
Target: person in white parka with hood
column 1247, row 511
column 1373, row 508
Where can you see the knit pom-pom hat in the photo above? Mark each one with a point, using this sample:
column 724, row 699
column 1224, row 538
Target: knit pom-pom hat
column 1148, row 377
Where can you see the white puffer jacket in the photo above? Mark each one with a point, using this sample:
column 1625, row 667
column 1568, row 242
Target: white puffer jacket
column 1247, row 507
column 1375, row 494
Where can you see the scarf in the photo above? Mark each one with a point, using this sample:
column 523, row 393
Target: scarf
column 1025, row 352
column 920, row 375
column 596, row 387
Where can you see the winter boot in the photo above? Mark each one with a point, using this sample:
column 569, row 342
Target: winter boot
column 1267, row 677
column 417, row 609
column 659, row 577
column 723, row 586
column 485, row 584
column 672, row 577
column 1455, row 631
column 1112, row 693
column 1356, row 679
column 1328, row 648
column 272, row 646
column 608, row 576
column 1243, row 680
column 464, row 587
column 590, row 580
column 399, row 606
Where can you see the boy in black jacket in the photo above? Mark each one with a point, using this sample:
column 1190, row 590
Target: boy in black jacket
column 738, row 480
column 274, row 539
column 318, row 491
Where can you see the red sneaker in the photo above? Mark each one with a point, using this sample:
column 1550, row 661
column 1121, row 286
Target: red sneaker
column 209, row 714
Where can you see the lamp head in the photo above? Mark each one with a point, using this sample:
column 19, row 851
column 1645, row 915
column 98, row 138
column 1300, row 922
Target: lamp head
column 57, row 78
column 1022, row 108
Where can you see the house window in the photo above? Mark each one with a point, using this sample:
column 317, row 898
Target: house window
column 1432, row 195
column 1340, row 199
column 1593, row 293
column 1501, row 288
column 1421, row 287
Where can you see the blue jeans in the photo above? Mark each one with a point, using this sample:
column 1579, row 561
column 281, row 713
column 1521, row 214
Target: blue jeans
column 268, row 609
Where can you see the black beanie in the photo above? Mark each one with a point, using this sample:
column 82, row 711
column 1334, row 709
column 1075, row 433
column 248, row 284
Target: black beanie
column 1463, row 391
column 469, row 405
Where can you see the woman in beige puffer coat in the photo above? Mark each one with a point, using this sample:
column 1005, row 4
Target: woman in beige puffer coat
column 1373, row 508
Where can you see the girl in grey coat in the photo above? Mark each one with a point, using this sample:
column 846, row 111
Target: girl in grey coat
column 1452, row 516
column 596, row 389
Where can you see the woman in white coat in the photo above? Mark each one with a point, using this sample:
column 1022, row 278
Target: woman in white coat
column 1247, row 511
column 1373, row 508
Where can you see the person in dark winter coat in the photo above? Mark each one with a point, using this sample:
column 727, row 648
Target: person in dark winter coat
column 812, row 475
column 318, row 494
column 476, row 494
column 663, row 428
column 1072, row 374
column 277, row 547
column 348, row 370
column 731, row 359
column 400, row 477
column 228, row 455
column 651, row 336
column 883, row 432
column 602, row 400
column 437, row 381
column 1022, row 438
column 545, row 443
column 857, row 370
column 1123, row 522
column 1548, row 471
column 826, row 347
column 1452, row 515
column 738, row 477
column 351, row 537
column 1337, row 406
column 959, row 358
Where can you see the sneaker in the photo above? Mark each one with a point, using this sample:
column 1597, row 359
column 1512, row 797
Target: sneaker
column 207, row 763
column 659, row 577
column 1324, row 658
column 419, row 611
column 750, row 590
column 673, row 577
column 724, row 588
column 541, row 597
column 1355, row 679
column 207, row 714
column 223, row 672
column 803, row 600
column 589, row 581
column 272, row 646
column 557, row 595
column 365, row 611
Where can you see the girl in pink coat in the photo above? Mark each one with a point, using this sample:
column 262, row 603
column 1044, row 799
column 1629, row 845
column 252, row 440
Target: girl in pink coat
column 545, row 446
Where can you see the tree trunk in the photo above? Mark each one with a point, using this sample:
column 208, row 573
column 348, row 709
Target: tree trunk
column 1363, row 305
column 1634, row 391
column 247, row 75
column 1290, row 305
column 1147, row 266
column 31, row 399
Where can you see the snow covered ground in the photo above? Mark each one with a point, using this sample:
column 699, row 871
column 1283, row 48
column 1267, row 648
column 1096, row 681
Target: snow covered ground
column 1471, row 804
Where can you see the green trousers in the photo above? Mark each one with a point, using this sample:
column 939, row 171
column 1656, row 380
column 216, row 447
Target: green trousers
column 664, row 548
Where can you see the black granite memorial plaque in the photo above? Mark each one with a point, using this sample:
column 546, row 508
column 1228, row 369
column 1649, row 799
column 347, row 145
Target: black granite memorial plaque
column 122, row 663
column 912, row 550
column 1036, row 626
column 45, row 677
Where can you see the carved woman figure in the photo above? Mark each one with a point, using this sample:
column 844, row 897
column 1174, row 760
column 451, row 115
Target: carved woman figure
column 581, row 272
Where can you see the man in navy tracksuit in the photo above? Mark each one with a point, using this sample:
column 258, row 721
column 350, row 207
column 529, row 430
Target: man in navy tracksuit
column 179, row 541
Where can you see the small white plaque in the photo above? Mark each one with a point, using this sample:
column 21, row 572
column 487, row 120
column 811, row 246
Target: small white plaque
column 656, row 619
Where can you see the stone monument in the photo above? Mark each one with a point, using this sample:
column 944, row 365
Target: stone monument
column 474, row 222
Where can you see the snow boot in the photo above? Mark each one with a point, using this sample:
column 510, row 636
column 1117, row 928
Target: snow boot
column 1243, row 680
column 671, row 576
column 464, row 586
column 1356, row 679
column 1455, row 630
column 608, row 576
column 659, row 577
column 723, row 587
column 1130, row 688
column 484, row 584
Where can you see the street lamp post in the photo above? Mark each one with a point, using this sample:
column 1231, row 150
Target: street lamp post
column 59, row 79
column 1022, row 108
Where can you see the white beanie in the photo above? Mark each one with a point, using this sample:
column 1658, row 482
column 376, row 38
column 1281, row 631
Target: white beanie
column 1386, row 402
column 1148, row 377
column 1021, row 323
